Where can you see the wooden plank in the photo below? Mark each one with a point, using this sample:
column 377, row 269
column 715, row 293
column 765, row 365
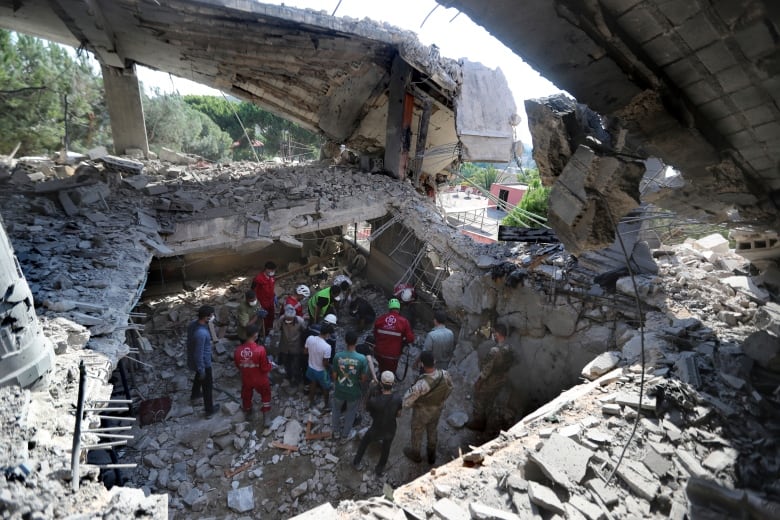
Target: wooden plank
column 283, row 446
column 317, row 436
column 229, row 473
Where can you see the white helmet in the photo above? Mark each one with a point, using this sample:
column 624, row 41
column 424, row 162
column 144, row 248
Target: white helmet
column 330, row 318
column 303, row 291
column 406, row 295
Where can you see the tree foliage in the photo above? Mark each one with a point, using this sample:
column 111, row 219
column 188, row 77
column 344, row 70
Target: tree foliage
column 279, row 136
column 38, row 80
column 172, row 123
column 535, row 200
column 485, row 176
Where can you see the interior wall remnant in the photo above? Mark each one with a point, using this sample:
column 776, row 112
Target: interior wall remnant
column 484, row 122
column 26, row 354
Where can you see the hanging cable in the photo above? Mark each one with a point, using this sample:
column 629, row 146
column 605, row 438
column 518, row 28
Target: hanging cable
column 641, row 338
column 248, row 140
column 336, row 9
column 428, row 15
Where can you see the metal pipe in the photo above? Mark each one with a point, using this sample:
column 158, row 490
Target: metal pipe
column 104, row 445
column 76, row 448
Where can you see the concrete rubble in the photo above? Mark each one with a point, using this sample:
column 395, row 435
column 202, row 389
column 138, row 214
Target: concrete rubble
column 700, row 372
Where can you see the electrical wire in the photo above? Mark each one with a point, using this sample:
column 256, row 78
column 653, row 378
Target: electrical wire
column 248, row 140
column 641, row 338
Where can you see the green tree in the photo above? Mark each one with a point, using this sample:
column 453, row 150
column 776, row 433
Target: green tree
column 37, row 81
column 279, row 136
column 172, row 123
column 535, row 201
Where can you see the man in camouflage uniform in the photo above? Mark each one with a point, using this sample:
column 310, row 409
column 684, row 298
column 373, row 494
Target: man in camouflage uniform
column 492, row 379
column 426, row 397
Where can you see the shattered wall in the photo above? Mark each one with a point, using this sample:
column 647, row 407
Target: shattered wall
column 25, row 352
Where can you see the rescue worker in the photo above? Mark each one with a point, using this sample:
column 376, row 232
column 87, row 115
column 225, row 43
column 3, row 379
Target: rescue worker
column 249, row 313
column 318, row 350
column 384, row 409
column 492, row 378
column 392, row 332
column 440, row 341
column 199, row 358
column 349, row 371
column 296, row 300
column 252, row 361
column 362, row 312
column 292, row 333
column 322, row 302
column 264, row 286
column 426, row 397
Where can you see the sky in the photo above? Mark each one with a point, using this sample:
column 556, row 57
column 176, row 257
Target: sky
column 455, row 35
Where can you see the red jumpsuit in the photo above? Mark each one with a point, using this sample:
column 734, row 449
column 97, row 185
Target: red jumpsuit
column 264, row 290
column 390, row 331
column 253, row 364
column 292, row 300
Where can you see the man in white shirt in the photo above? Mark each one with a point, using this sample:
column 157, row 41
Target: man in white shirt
column 318, row 350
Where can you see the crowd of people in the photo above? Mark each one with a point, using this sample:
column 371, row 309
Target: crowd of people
column 361, row 377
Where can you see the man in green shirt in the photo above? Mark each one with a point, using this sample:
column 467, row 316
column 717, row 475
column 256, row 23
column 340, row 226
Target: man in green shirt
column 349, row 370
column 249, row 313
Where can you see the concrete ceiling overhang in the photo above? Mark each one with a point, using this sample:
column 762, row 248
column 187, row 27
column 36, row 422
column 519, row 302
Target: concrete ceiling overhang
column 695, row 82
column 328, row 74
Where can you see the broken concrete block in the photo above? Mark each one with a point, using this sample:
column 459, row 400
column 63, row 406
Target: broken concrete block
column 611, row 409
column 562, row 460
column 715, row 243
column 586, row 507
column 746, row 286
column 138, row 182
column 155, row 189
column 300, row 489
column 446, row 509
column 168, row 155
column 121, row 165
column 67, row 203
column 690, row 464
column 86, row 195
column 602, row 364
column 636, row 478
column 767, row 318
column 632, row 401
column 656, row 463
column 482, row 512
column 721, row 459
column 97, row 153
column 763, row 348
column 544, row 497
column 241, row 499
column 292, row 433
column 608, row 495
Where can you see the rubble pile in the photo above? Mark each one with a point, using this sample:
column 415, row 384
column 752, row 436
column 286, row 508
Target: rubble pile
column 706, row 332
column 708, row 422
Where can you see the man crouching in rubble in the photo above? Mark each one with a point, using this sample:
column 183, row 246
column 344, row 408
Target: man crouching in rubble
column 252, row 362
column 199, row 358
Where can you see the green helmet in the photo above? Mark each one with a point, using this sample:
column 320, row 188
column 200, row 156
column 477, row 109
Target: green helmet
column 393, row 304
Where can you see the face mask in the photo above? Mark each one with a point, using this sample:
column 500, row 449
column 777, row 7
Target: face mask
column 288, row 321
column 271, row 273
column 253, row 303
column 211, row 318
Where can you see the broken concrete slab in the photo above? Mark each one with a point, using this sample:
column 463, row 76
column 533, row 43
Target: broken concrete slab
column 602, row 364
column 634, row 475
column 714, row 242
column 763, row 348
column 446, row 509
column 562, row 460
column 586, row 507
column 608, row 495
column 483, row 512
column 544, row 497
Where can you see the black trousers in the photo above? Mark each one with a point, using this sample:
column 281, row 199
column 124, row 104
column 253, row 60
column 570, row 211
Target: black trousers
column 375, row 436
column 203, row 386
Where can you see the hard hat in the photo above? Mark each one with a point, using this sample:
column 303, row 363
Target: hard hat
column 407, row 295
column 330, row 318
column 387, row 377
column 393, row 304
column 303, row 291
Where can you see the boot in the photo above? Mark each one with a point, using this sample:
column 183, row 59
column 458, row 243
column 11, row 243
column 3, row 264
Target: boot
column 432, row 456
column 412, row 455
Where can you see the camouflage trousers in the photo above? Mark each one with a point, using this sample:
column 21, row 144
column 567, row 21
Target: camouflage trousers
column 425, row 419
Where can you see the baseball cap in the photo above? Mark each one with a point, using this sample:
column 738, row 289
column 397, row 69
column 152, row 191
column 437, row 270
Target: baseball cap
column 387, row 378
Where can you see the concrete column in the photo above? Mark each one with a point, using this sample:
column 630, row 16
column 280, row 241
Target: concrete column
column 400, row 105
column 123, row 97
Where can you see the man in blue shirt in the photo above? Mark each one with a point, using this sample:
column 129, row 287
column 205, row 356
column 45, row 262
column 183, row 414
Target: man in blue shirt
column 199, row 358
